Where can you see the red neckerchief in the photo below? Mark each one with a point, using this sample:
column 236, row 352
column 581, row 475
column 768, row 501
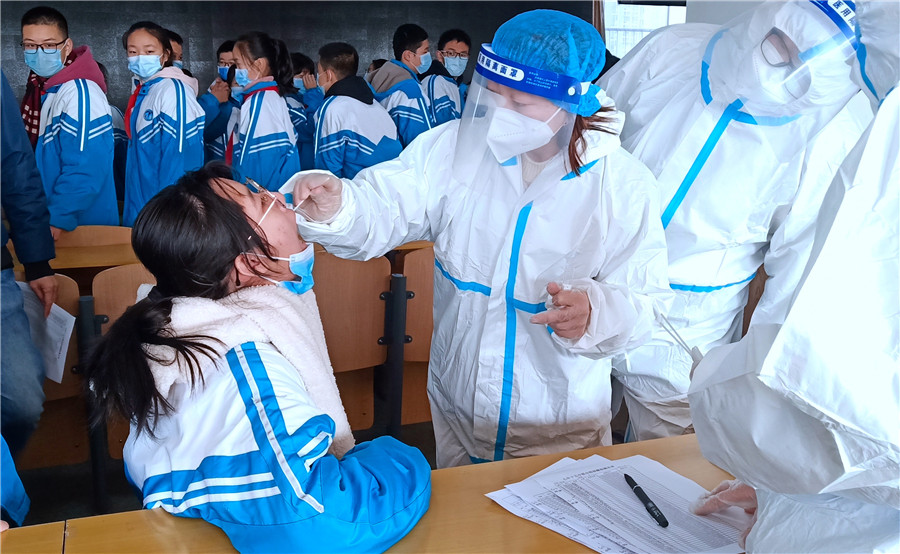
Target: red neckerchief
column 131, row 102
column 31, row 102
column 229, row 149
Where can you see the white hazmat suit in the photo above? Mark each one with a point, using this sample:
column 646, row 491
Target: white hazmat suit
column 744, row 151
column 499, row 385
column 808, row 411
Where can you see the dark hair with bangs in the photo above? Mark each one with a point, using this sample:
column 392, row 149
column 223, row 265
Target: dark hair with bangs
column 161, row 34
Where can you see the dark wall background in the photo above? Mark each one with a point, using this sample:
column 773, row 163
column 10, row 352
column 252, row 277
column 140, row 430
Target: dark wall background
column 304, row 26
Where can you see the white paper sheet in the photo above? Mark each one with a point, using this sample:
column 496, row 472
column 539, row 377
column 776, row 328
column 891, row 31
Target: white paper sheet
column 590, row 502
column 50, row 335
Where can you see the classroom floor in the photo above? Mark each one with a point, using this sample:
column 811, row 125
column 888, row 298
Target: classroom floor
column 65, row 492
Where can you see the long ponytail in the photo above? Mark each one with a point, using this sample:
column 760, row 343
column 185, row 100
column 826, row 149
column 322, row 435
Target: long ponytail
column 188, row 237
column 256, row 44
column 118, row 372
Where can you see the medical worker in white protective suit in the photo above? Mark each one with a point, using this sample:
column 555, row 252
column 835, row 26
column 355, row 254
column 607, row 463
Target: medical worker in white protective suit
column 530, row 200
column 807, row 412
column 744, row 126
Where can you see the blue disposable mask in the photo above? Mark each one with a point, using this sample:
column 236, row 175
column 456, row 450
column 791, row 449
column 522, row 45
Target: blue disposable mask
column 144, row 66
column 425, row 63
column 223, row 73
column 455, row 66
column 301, row 265
column 242, row 77
column 44, row 64
column 178, row 63
column 237, row 93
column 298, row 84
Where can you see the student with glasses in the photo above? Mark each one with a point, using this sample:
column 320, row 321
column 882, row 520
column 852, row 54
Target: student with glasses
column 442, row 81
column 67, row 117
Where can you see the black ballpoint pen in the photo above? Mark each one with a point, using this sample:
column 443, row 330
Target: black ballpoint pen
column 651, row 507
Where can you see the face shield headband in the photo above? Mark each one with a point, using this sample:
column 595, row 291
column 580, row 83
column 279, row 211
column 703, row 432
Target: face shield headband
column 566, row 92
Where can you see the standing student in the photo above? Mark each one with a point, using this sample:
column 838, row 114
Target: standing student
column 177, row 48
column 224, row 375
column 120, row 138
column 219, row 103
column 530, row 202
column 353, row 131
column 163, row 119
column 442, row 80
column 25, row 213
column 218, row 93
column 302, row 106
column 264, row 148
column 74, row 133
column 744, row 126
column 397, row 86
column 219, row 130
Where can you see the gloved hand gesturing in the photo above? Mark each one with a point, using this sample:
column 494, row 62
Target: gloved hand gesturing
column 571, row 313
column 727, row 494
column 317, row 195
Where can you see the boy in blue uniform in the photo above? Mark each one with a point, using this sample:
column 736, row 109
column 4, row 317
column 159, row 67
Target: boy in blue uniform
column 68, row 117
column 397, row 86
column 352, row 130
column 441, row 82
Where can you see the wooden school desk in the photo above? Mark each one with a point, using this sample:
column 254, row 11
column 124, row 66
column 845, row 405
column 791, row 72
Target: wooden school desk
column 37, row 539
column 460, row 519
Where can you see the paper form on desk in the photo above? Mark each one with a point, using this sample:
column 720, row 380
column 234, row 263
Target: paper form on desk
column 50, row 335
column 590, row 498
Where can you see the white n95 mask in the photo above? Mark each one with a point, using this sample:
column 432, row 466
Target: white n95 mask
column 511, row 133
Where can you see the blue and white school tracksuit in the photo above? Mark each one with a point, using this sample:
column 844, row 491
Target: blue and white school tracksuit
column 302, row 117
column 443, row 99
column 166, row 141
column 120, row 136
column 247, row 450
column 75, row 155
column 265, row 145
column 352, row 135
column 407, row 105
column 219, row 130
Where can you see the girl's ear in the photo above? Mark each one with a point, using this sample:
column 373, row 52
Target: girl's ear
column 262, row 67
column 247, row 267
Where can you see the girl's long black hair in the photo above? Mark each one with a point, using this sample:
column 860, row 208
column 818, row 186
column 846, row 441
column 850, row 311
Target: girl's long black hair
column 188, row 237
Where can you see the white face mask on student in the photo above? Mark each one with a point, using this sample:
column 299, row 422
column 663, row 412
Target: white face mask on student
column 511, row 133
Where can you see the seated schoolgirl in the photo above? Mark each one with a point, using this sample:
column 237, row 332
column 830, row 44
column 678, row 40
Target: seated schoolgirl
column 224, row 375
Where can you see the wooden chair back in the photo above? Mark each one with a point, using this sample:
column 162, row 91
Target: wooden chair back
column 61, row 437
column 348, row 294
column 419, row 270
column 114, row 290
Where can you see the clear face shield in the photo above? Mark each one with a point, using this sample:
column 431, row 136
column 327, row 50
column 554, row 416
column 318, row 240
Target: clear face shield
column 513, row 110
column 785, row 59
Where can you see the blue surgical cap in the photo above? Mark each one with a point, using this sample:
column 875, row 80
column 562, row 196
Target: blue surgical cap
column 558, row 42
column 553, row 41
